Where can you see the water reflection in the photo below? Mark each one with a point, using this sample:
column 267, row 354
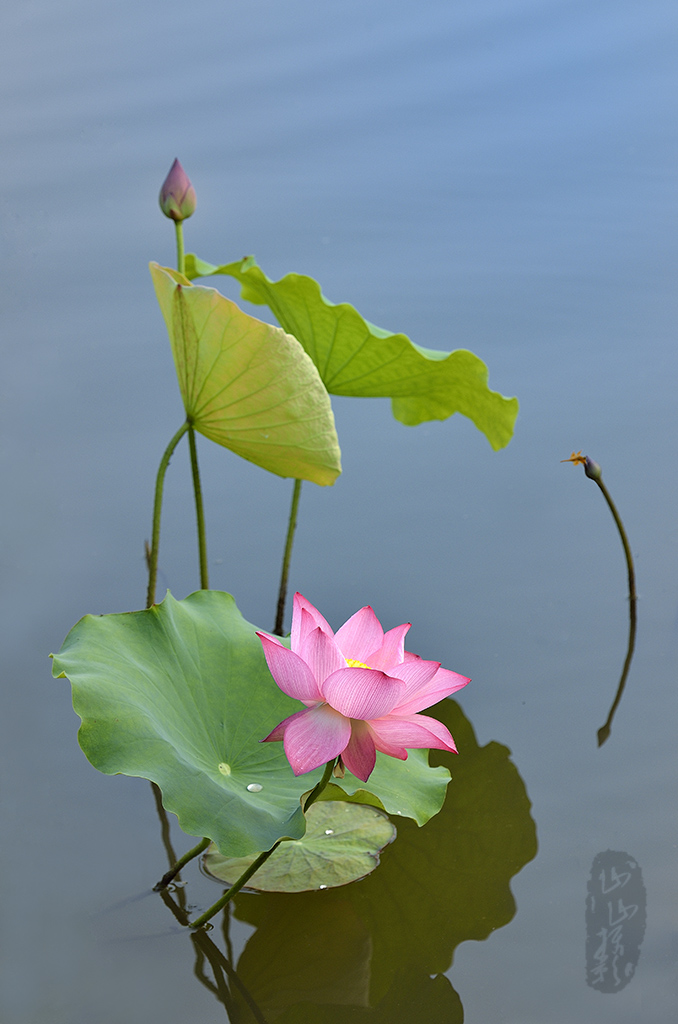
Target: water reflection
column 604, row 731
column 377, row 950
column 225, row 981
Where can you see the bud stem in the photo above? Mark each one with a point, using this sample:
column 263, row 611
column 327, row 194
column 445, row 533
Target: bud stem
column 179, row 230
column 604, row 731
column 594, row 472
column 195, row 471
column 624, row 539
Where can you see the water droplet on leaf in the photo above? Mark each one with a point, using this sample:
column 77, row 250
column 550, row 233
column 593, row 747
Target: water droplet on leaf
column 329, row 831
column 254, row 787
column 322, row 886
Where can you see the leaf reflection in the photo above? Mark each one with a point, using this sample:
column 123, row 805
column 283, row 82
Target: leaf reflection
column 376, row 951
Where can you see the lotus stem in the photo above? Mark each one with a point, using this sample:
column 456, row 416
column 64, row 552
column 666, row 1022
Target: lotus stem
column 594, row 472
column 236, row 887
column 152, row 556
column 199, row 511
column 176, row 868
column 604, row 731
column 179, row 229
column 263, row 857
column 282, row 593
column 625, row 543
column 317, row 790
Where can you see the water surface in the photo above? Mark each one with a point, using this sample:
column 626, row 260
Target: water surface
column 497, row 176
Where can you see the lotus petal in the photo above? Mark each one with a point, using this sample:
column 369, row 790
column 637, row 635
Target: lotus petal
column 359, row 692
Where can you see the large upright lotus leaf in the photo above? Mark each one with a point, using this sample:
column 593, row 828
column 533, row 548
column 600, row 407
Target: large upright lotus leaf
column 181, row 694
column 356, row 358
column 247, row 385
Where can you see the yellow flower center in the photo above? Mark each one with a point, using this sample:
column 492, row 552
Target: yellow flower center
column 352, row 663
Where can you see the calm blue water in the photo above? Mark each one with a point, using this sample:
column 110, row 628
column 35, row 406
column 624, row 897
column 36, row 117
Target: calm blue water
column 497, row 176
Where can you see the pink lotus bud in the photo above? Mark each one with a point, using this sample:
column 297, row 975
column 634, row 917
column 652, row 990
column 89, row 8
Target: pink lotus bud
column 177, row 195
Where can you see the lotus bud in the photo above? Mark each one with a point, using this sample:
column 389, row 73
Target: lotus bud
column 177, row 195
column 592, row 469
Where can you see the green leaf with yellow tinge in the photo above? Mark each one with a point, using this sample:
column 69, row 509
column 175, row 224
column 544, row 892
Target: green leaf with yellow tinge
column 247, row 385
column 356, row 358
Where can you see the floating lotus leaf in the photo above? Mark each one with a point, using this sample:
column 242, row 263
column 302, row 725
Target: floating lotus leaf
column 342, row 843
column 247, row 385
column 181, row 694
column 356, row 358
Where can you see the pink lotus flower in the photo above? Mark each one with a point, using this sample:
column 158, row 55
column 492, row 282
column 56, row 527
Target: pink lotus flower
column 362, row 692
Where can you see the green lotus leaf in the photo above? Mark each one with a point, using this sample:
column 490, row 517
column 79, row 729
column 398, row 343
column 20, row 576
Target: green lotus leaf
column 247, row 385
column 342, row 843
column 181, row 694
column 408, row 789
column 356, row 358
